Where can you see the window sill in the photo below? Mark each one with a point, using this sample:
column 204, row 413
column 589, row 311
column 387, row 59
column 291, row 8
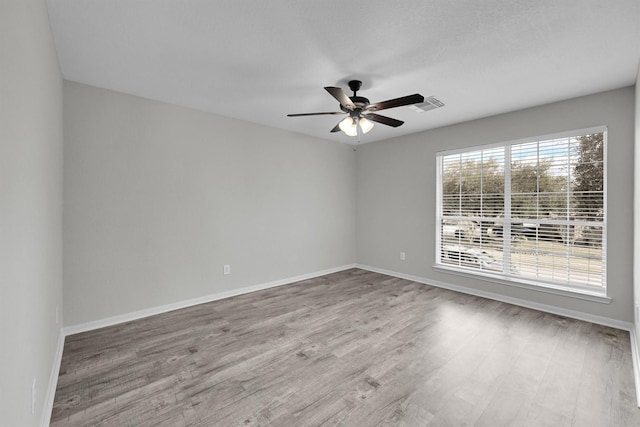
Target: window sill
column 525, row 284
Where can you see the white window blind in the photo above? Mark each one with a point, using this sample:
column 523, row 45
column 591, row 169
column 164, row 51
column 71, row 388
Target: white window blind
column 532, row 211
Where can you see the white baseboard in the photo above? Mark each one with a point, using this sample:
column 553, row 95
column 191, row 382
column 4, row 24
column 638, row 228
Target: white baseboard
column 47, row 406
column 635, row 354
column 110, row 321
column 600, row 320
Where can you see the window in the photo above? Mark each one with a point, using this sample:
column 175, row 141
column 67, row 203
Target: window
column 530, row 212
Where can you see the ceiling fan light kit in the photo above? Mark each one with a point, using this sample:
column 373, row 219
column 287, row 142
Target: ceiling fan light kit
column 350, row 125
column 361, row 111
column 365, row 125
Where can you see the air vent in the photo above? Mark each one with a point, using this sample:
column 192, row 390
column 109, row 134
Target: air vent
column 429, row 103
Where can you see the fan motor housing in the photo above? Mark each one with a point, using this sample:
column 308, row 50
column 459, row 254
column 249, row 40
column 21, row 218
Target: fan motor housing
column 360, row 101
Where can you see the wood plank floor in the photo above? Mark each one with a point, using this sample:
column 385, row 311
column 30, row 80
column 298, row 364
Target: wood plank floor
column 353, row 348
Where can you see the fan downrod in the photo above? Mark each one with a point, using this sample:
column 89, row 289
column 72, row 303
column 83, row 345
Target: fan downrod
column 360, row 101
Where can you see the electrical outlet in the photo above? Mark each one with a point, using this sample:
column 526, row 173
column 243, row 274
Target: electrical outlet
column 227, row 269
column 33, row 396
column 403, row 256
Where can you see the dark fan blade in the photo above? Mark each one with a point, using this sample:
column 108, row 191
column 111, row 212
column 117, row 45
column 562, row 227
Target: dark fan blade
column 384, row 120
column 314, row 114
column 336, row 129
column 416, row 98
column 342, row 98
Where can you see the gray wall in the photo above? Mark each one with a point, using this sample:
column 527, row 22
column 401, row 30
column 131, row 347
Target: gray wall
column 30, row 207
column 158, row 198
column 396, row 200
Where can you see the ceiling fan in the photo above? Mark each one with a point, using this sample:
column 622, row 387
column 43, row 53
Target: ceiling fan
column 360, row 111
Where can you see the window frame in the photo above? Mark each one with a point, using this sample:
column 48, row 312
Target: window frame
column 576, row 290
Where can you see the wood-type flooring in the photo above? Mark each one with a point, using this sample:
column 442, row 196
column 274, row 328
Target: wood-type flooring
column 354, row 348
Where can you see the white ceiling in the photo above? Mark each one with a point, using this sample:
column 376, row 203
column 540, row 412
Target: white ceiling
column 260, row 60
